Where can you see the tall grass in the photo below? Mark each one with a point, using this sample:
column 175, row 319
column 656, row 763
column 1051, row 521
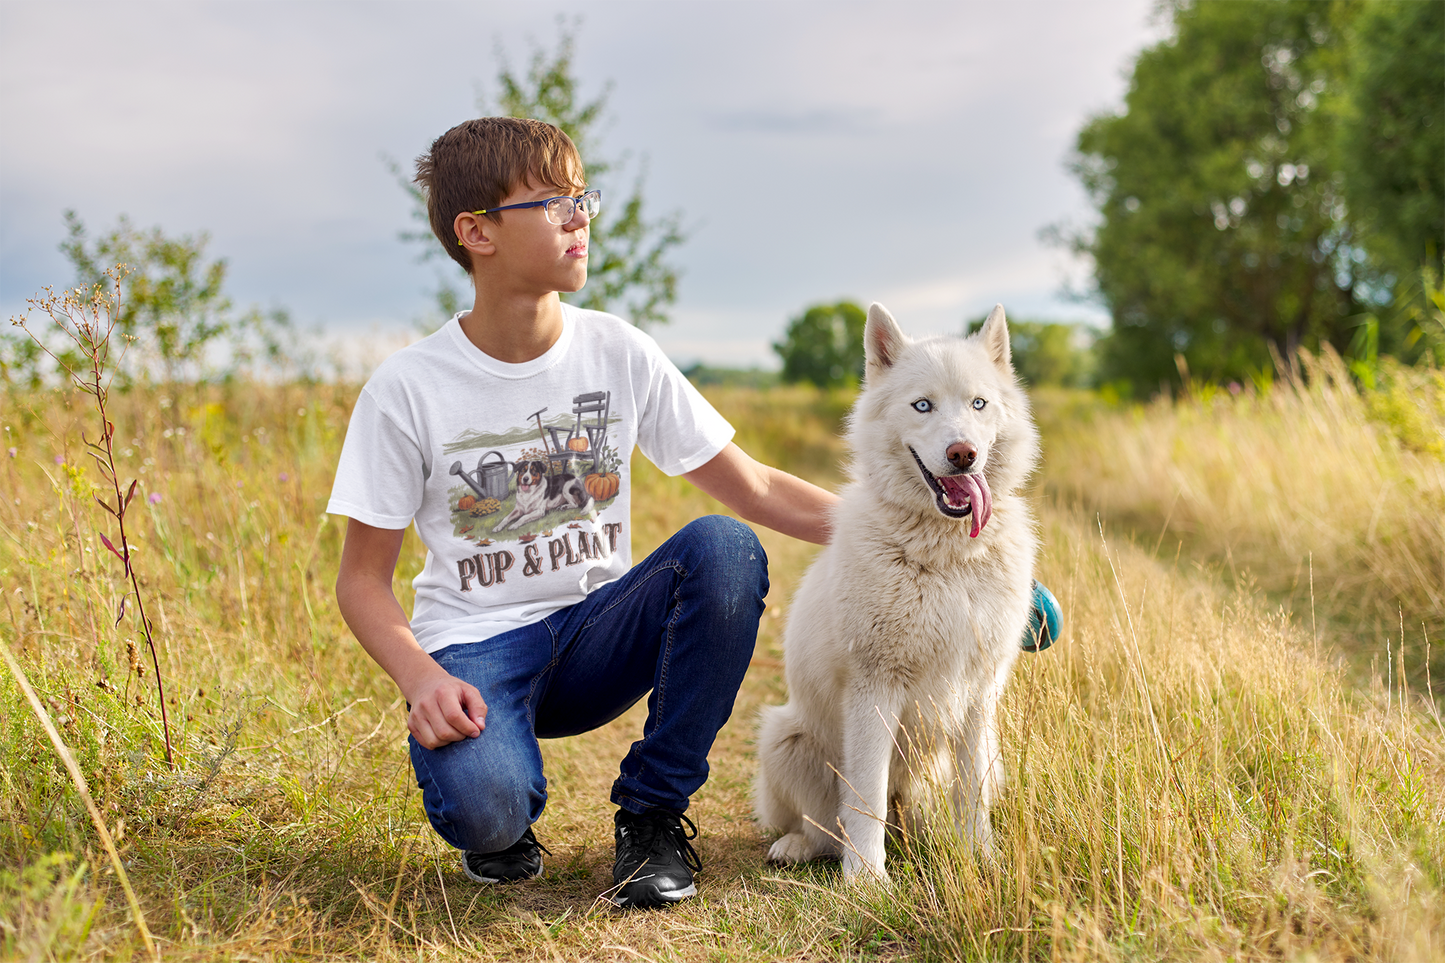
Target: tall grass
column 1330, row 498
column 1190, row 781
column 1188, row 778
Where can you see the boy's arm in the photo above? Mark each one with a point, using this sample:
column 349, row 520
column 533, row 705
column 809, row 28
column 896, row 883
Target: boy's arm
column 443, row 708
column 762, row 494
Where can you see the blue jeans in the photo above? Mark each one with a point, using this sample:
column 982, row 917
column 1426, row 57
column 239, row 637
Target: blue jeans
column 682, row 624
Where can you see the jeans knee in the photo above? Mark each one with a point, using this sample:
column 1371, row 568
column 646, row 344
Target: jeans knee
column 729, row 556
column 484, row 808
column 495, row 818
column 727, row 580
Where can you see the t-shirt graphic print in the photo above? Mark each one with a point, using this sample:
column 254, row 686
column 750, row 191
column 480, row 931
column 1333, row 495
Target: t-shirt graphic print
column 541, row 487
column 517, row 475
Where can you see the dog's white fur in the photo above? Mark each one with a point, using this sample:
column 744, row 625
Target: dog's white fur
column 904, row 630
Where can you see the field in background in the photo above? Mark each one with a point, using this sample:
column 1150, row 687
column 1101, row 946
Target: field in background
column 1191, row 772
column 1329, row 499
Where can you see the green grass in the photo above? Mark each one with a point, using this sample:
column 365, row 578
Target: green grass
column 1191, row 775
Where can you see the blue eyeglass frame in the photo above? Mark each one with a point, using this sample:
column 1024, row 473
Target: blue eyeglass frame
column 576, row 203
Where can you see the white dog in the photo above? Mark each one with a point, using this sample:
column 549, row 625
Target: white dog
column 905, row 628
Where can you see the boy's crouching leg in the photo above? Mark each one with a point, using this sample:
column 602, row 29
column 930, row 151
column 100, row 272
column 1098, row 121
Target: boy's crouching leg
column 720, row 580
column 483, row 794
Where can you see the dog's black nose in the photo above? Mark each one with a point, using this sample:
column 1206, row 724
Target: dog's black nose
column 962, row 454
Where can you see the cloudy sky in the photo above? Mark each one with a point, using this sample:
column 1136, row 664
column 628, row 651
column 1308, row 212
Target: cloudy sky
column 907, row 153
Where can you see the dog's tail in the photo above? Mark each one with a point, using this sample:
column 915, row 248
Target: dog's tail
column 793, row 776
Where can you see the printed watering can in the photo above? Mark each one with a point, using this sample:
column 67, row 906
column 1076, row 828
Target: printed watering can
column 490, row 479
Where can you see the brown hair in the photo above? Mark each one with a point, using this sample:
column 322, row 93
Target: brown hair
column 477, row 163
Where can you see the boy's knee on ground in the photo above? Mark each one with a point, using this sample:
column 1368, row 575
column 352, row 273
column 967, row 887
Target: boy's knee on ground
column 490, row 832
column 487, row 807
column 492, row 817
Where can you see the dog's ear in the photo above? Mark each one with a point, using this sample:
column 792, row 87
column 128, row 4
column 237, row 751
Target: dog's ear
column 883, row 340
column 994, row 335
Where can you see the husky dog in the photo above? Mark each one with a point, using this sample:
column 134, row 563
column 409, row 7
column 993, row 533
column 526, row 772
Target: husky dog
column 538, row 494
column 904, row 630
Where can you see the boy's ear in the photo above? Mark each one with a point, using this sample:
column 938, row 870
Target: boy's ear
column 474, row 233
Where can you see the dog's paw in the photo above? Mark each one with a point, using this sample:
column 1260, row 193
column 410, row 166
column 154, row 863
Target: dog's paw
column 857, row 869
column 792, row 848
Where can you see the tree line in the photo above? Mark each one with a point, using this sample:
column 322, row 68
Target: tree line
column 1275, row 180
column 824, row 346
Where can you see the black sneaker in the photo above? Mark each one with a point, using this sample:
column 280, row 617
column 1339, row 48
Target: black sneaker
column 519, row 861
column 655, row 861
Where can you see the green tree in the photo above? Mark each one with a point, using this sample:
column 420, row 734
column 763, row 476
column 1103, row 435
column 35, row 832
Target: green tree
column 628, row 268
column 1392, row 132
column 175, row 321
column 1048, row 352
column 824, row 345
column 1223, row 231
column 173, row 306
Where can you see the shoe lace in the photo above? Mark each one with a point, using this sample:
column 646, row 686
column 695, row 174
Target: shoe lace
column 528, row 845
column 666, row 825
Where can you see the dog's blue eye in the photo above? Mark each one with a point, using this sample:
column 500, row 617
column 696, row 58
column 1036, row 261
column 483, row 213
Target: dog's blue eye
column 978, row 404
column 923, row 404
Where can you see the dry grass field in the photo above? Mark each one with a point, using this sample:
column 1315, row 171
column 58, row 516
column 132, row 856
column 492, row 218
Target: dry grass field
column 1330, row 500
column 1200, row 769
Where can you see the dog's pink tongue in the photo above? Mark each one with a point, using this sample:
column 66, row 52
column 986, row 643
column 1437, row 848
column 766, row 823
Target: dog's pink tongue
column 969, row 490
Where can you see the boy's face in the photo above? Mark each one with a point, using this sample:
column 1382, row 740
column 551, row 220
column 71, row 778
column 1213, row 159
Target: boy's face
column 533, row 255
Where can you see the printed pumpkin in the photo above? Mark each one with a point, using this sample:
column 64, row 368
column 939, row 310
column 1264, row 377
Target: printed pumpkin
column 465, row 503
column 601, row 486
column 577, row 444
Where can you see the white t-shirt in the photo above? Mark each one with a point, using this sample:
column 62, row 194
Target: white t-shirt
column 516, row 475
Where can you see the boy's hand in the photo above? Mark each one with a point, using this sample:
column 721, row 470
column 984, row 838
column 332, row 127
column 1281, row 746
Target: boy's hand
column 445, row 709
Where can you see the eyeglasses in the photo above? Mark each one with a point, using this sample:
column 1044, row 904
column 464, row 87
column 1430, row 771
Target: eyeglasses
column 559, row 210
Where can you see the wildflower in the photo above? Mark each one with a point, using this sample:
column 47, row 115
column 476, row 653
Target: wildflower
column 60, row 459
column 154, row 498
column 12, row 452
column 284, row 477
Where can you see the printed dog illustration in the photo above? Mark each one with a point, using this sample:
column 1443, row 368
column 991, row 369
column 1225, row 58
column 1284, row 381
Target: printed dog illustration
column 538, row 493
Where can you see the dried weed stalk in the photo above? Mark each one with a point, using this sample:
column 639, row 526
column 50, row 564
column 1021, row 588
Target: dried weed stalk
column 88, row 320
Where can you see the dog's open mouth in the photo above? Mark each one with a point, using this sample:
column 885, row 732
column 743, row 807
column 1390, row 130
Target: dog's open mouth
column 959, row 495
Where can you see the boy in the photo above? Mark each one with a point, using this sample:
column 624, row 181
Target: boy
column 534, row 623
